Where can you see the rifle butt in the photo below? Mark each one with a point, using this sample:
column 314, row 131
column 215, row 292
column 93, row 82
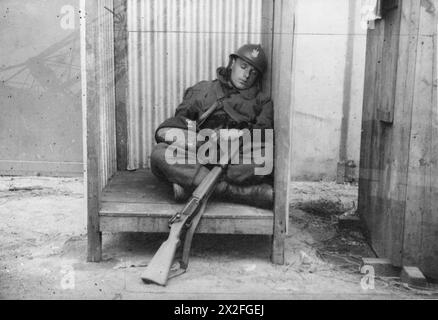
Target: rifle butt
column 158, row 268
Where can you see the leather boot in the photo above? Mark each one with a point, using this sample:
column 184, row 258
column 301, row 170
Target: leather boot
column 259, row 195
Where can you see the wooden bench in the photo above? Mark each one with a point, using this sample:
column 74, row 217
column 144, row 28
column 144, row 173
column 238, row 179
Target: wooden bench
column 138, row 202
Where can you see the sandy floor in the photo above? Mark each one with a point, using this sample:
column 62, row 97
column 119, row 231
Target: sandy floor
column 43, row 252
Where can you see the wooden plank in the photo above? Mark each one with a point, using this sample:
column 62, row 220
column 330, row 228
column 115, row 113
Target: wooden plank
column 364, row 200
column 430, row 218
column 121, row 80
column 388, row 64
column 136, row 198
column 206, row 225
column 399, row 159
column 369, row 171
column 383, row 202
column 419, row 193
column 89, row 51
column 377, row 177
column 397, row 162
column 414, row 277
column 215, row 210
column 267, row 39
column 282, row 96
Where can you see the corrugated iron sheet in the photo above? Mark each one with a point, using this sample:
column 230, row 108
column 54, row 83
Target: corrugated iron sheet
column 172, row 45
column 106, row 96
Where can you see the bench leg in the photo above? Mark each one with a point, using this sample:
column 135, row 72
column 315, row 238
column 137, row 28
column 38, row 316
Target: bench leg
column 94, row 246
column 277, row 256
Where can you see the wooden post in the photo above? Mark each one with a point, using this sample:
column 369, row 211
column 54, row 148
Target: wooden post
column 91, row 127
column 267, row 39
column 121, row 80
column 282, row 96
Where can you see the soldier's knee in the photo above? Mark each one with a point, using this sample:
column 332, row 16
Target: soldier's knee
column 158, row 153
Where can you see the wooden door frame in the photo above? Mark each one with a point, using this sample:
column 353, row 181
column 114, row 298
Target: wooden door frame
column 278, row 26
column 278, row 36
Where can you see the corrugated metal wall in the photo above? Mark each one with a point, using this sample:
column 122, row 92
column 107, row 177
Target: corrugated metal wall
column 172, row 45
column 105, row 70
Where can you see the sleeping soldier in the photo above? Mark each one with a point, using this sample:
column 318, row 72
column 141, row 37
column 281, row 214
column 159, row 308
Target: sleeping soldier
column 239, row 104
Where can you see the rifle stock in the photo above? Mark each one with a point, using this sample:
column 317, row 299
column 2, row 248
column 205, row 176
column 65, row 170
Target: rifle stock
column 158, row 268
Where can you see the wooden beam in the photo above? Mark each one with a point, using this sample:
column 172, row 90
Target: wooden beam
column 151, row 224
column 91, row 127
column 267, row 39
column 121, row 80
column 282, row 96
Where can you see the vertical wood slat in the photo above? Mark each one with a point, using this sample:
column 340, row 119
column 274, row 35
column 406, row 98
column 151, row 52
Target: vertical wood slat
column 367, row 181
column 89, row 34
column 385, row 111
column 121, row 80
column 385, row 205
column 109, row 89
column 402, row 126
column 430, row 219
column 266, row 41
column 282, row 96
column 419, row 191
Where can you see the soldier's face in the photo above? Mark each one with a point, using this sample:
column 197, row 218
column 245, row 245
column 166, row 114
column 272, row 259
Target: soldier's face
column 243, row 75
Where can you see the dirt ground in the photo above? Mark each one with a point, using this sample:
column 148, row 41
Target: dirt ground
column 43, row 252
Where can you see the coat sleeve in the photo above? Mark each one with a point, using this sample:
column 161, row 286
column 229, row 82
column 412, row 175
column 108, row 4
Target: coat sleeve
column 265, row 119
column 189, row 109
column 191, row 106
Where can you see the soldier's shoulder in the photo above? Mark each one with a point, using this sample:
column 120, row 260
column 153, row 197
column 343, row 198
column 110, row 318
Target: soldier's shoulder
column 196, row 90
column 202, row 85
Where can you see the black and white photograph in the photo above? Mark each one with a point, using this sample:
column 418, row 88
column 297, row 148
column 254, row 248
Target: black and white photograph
column 238, row 150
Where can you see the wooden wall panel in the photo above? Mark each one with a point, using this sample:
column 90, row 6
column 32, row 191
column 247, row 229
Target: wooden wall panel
column 384, row 151
column 420, row 192
column 398, row 189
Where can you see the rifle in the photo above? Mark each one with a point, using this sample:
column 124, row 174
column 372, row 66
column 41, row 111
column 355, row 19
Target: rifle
column 159, row 268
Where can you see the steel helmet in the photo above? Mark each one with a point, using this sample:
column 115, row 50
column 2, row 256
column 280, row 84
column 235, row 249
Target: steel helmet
column 254, row 55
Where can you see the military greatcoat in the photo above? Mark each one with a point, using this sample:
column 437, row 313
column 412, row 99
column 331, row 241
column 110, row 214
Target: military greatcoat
column 245, row 109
